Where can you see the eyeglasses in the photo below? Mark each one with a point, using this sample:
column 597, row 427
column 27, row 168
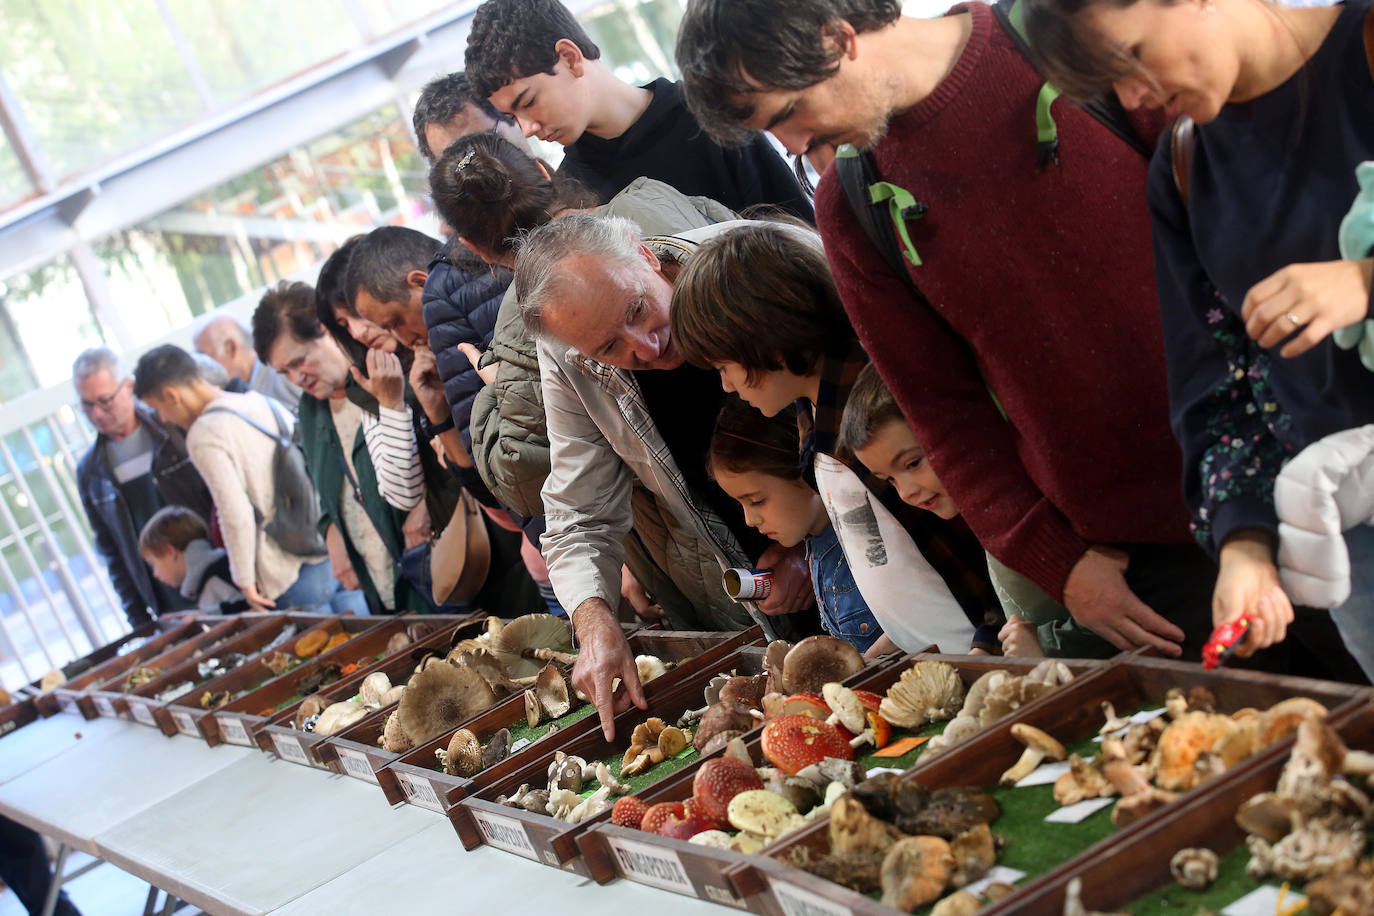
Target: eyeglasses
column 105, row 403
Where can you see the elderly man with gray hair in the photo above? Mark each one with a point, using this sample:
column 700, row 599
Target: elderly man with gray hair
column 136, row 466
column 622, row 404
column 223, row 338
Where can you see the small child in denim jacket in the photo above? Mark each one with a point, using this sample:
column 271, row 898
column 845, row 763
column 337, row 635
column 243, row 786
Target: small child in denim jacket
column 875, row 431
column 753, row 458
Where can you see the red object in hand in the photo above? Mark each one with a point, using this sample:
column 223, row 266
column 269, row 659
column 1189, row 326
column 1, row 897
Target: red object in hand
column 1225, row 638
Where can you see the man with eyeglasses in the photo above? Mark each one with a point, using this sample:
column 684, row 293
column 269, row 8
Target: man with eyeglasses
column 135, row 467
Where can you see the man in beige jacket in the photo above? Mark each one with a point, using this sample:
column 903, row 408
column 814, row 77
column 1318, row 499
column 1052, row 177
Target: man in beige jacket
column 232, row 441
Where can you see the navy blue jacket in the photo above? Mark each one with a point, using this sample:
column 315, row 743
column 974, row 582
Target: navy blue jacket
column 460, row 307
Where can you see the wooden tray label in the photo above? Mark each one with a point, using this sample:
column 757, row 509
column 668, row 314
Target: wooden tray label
column 420, row 792
column 651, row 865
column 356, row 765
column 104, row 707
column 289, row 748
column 233, row 731
column 797, row 902
column 185, row 724
column 504, row 833
column 66, row 702
column 142, row 713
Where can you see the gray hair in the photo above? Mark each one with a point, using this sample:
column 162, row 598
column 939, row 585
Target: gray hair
column 538, row 279
column 97, row 359
column 210, row 370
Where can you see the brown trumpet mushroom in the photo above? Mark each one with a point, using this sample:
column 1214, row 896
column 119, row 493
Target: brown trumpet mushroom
column 974, row 853
column 915, row 872
column 1186, row 738
column 773, row 659
column 551, row 690
column 1084, row 780
column 439, row 698
column 818, row 660
column 497, row 749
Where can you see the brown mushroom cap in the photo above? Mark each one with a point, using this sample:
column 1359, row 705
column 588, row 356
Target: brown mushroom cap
column 551, row 690
column 1033, row 737
column 818, row 660
column 464, row 754
column 532, row 631
column 439, row 698
column 497, row 749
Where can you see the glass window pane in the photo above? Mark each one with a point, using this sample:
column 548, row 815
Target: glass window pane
column 385, row 16
column 245, row 46
column 14, row 182
column 46, row 310
column 636, row 37
column 264, row 225
column 95, row 77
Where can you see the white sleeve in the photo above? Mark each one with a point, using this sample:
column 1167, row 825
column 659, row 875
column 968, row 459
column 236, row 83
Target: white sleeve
column 395, row 457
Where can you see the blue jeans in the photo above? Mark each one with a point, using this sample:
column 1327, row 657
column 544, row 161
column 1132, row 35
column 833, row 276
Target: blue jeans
column 316, row 589
column 1355, row 618
column 844, row 612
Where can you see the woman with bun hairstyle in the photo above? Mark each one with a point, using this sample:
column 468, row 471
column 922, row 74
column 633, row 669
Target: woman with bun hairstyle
column 1275, row 109
column 491, row 192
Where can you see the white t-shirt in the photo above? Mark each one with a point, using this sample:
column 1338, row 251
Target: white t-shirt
column 905, row 593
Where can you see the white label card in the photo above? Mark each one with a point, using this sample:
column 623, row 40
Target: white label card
column 185, row 724
column 420, row 792
column 289, row 748
column 797, row 902
column 998, row 873
column 504, row 833
column 652, row 865
column 104, row 707
column 233, row 731
column 1262, row 901
column 1073, row 814
column 1044, row 774
column 1145, row 715
column 356, row 765
column 142, row 713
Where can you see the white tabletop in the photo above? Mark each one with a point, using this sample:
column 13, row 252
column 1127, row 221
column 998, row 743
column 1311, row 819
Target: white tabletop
column 431, row 873
column 22, row 750
column 258, row 834
column 107, row 778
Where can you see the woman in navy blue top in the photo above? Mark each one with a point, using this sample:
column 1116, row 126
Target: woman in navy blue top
column 1283, row 103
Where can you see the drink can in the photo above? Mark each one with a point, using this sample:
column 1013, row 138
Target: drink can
column 748, row 584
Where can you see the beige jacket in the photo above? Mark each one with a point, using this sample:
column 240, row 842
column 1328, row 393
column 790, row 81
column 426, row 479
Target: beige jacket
column 235, row 460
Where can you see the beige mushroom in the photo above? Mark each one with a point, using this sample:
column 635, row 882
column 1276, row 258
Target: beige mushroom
column 818, row 660
column 1084, row 780
column 1194, row 869
column 393, row 695
column 846, row 708
column 394, row 738
column 528, row 633
column 959, row 903
column 551, row 689
column 1038, row 744
column 928, row 691
column 339, row 716
column 672, row 741
column 649, row 667
column 440, row 698
column 915, row 871
column 373, row 688
column 534, row 712
column 464, row 754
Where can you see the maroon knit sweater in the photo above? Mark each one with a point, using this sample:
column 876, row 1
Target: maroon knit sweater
column 1044, row 278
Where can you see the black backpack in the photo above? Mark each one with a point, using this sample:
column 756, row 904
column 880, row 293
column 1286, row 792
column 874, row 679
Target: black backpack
column 296, row 506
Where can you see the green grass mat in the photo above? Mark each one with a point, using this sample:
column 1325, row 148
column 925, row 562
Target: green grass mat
column 523, row 730
column 907, row 760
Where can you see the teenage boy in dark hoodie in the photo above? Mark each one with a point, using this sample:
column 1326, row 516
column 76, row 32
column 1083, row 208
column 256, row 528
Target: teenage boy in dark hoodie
column 534, row 62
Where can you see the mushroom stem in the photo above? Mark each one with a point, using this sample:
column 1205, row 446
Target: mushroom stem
column 551, row 655
column 1029, row 760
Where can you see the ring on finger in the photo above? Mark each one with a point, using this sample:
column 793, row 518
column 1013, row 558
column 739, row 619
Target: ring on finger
column 1292, row 319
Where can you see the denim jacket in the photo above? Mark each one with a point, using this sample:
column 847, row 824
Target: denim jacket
column 844, row 613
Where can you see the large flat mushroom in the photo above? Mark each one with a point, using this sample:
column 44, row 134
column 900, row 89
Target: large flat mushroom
column 818, row 660
column 439, row 698
column 515, row 643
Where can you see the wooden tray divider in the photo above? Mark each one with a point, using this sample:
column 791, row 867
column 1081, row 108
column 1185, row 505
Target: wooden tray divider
column 412, row 778
column 1071, row 714
column 82, row 672
column 110, row 699
column 279, row 735
column 255, row 685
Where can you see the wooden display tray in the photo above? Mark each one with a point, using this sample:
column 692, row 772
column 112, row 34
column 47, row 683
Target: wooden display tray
column 356, row 750
column 19, row 713
column 83, row 671
column 1072, row 714
column 705, row 873
column 411, row 777
column 280, row 736
column 143, row 704
column 1138, row 863
column 184, row 715
column 109, row 698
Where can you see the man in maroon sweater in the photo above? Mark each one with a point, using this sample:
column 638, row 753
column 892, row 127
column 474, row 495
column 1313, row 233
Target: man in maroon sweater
column 1039, row 281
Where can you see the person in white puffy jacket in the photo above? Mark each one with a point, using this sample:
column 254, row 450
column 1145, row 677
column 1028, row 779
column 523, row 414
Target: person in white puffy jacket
column 1325, row 502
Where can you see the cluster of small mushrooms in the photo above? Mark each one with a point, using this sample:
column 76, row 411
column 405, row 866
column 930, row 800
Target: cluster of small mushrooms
column 1149, row 764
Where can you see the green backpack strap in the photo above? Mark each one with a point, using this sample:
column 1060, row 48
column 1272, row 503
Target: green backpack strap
column 1107, row 111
